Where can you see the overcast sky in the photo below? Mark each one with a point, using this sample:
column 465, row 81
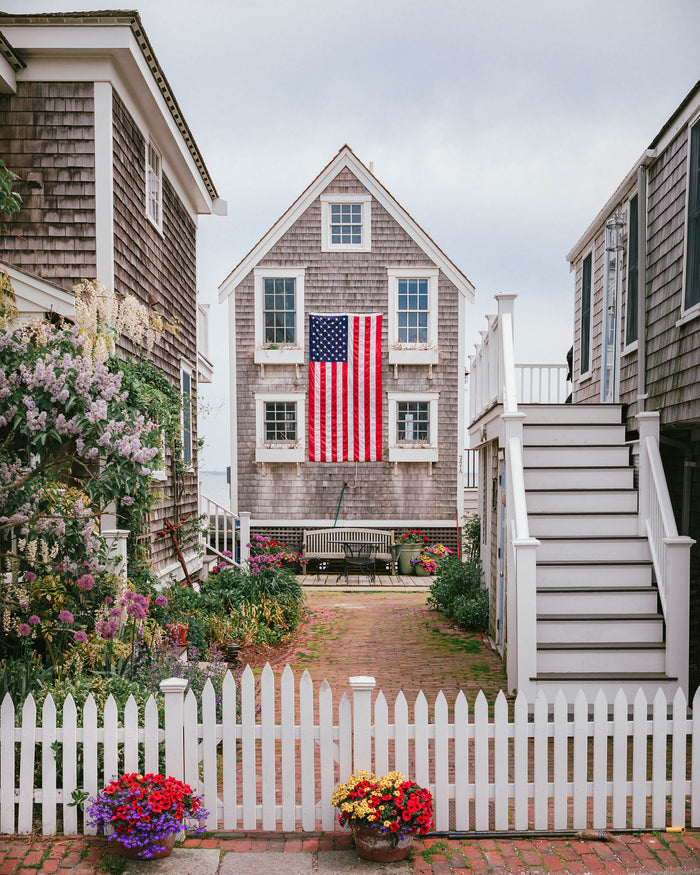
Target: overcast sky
column 501, row 127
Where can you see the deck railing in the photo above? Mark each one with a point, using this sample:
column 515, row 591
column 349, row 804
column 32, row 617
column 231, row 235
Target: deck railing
column 225, row 531
column 541, row 383
column 670, row 552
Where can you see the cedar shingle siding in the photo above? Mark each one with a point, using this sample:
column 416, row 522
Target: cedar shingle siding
column 48, row 128
column 349, row 282
column 163, row 266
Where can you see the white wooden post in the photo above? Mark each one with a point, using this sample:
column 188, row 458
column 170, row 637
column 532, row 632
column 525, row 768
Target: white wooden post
column 471, row 387
column 116, row 545
column 648, row 424
column 494, row 389
column 506, row 306
column 678, row 607
column 174, row 691
column 362, row 722
column 244, row 534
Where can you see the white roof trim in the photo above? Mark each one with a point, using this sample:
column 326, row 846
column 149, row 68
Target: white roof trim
column 36, row 295
column 346, row 158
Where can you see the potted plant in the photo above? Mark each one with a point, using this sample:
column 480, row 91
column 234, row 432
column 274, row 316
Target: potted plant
column 411, row 541
column 146, row 812
column 427, row 562
column 383, row 813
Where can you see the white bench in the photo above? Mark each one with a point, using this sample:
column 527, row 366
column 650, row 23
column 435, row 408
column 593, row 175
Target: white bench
column 323, row 545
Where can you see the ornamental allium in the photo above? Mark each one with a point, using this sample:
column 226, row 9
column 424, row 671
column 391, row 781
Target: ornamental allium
column 161, row 601
column 80, row 637
column 86, row 582
column 24, row 629
column 66, row 617
column 34, row 620
column 29, row 575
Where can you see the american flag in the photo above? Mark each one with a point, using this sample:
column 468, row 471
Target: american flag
column 345, row 388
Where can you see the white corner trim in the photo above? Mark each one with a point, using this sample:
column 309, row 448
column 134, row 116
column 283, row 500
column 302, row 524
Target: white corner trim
column 104, row 185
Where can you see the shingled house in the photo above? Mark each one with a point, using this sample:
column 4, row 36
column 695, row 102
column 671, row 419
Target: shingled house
column 112, row 184
column 347, row 332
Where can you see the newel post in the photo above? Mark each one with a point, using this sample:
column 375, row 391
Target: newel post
column 678, row 607
column 648, row 425
column 244, row 533
column 362, row 722
column 174, row 693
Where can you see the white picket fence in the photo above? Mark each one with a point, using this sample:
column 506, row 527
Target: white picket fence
column 513, row 767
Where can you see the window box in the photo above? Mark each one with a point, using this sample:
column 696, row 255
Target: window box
column 413, row 426
column 280, row 427
column 346, row 223
column 279, row 315
column 413, row 315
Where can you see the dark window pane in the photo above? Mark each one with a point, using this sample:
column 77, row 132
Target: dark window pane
column 692, row 274
column 631, row 317
column 586, row 314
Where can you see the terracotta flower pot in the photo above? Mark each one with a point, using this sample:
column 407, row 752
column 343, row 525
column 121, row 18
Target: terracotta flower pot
column 378, row 846
column 167, row 844
column 177, row 632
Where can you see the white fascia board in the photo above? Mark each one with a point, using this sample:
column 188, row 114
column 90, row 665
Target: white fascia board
column 35, row 295
column 8, row 77
column 354, row 524
column 346, row 158
column 78, row 54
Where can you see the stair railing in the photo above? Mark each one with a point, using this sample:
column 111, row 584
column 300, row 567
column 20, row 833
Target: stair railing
column 224, row 531
column 520, row 554
column 670, row 552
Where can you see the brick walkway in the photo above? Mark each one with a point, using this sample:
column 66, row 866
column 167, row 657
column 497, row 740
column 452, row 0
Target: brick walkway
column 655, row 852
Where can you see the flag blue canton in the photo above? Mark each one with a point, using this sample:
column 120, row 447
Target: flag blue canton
column 328, row 338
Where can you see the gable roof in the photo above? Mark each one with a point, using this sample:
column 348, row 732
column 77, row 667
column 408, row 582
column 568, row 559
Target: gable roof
column 346, row 158
column 114, row 17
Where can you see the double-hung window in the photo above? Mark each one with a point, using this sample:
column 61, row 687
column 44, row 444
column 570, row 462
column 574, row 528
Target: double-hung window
column 346, row 223
column 154, row 185
column 280, row 427
column 186, row 371
column 586, row 301
column 413, row 315
column 692, row 268
column 413, row 426
column 279, row 315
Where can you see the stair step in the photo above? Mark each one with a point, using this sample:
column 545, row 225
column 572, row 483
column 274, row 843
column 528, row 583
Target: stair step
column 575, row 434
column 579, row 478
column 625, row 657
column 594, row 628
column 572, row 413
column 581, row 500
column 584, row 524
column 595, row 575
column 601, row 601
column 573, row 549
column 576, row 456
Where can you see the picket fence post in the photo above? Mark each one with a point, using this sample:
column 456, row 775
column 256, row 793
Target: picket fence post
column 362, row 722
column 174, row 692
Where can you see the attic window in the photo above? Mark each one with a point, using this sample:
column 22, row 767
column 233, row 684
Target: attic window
column 346, row 223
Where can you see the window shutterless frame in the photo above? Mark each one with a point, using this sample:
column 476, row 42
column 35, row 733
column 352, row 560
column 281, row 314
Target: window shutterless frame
column 413, row 426
column 279, row 315
column 280, row 427
column 413, row 315
column 586, row 313
column 154, row 185
column 346, row 222
column 691, row 294
column 186, row 372
column 631, row 307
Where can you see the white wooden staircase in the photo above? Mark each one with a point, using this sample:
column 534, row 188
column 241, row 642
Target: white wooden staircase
column 598, row 617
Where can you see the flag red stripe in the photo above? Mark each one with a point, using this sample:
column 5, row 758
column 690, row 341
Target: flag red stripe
column 345, row 411
column 378, row 387
column 334, row 414
column 355, row 388
column 312, row 431
column 322, row 411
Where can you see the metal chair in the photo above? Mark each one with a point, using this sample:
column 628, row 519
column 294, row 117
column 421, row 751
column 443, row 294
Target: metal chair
column 392, row 563
column 360, row 558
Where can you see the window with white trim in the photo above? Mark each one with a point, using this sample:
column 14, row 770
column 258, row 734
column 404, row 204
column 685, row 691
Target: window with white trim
column 279, row 315
column 413, row 315
column 691, row 296
column 280, row 427
column 586, row 311
column 154, row 185
column 346, row 223
column 413, row 426
column 186, row 372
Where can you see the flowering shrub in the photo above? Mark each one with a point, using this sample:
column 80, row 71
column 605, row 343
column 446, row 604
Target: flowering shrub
column 143, row 810
column 413, row 536
column 391, row 804
column 265, row 552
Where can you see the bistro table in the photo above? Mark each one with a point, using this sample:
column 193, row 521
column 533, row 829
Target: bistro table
column 360, row 556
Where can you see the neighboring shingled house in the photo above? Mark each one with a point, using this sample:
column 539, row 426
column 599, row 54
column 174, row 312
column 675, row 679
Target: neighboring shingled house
column 637, row 318
column 347, row 350
column 112, row 184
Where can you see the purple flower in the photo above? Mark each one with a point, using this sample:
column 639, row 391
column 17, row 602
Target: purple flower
column 127, row 500
column 137, row 611
column 107, row 629
column 29, row 575
column 161, row 601
column 108, row 599
column 66, row 617
column 34, row 620
column 24, row 629
column 86, row 582
column 80, row 637
column 115, row 612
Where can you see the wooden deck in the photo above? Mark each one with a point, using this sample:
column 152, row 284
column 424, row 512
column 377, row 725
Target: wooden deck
column 334, row 580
